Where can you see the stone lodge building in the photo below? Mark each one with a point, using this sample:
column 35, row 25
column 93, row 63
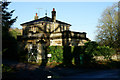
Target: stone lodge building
column 46, row 31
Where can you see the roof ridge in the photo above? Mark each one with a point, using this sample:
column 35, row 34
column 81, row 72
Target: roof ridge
column 40, row 19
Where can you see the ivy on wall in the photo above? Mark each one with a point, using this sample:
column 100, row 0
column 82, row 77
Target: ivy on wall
column 80, row 54
column 56, row 53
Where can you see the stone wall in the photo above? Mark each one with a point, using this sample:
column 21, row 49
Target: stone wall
column 114, row 57
column 68, row 38
column 44, row 27
column 72, row 42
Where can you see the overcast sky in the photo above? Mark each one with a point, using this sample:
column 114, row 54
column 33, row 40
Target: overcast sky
column 83, row 16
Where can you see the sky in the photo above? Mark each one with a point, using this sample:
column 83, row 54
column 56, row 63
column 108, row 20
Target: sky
column 83, row 16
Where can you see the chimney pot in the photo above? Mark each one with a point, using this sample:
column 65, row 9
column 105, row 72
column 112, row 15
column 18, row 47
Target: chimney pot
column 36, row 14
column 53, row 15
column 53, row 9
column 36, row 17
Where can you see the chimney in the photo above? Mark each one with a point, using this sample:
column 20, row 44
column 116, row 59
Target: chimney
column 53, row 15
column 36, row 17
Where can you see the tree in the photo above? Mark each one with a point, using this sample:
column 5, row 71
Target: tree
column 7, row 20
column 15, row 32
column 8, row 42
column 89, row 52
column 107, row 28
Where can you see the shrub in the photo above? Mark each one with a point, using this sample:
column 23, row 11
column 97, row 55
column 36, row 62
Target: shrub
column 89, row 51
column 84, row 53
column 6, row 68
column 93, row 49
column 57, row 53
column 105, row 51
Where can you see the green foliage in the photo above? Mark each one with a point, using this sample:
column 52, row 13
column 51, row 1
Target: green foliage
column 56, row 52
column 105, row 51
column 84, row 53
column 7, row 20
column 6, row 68
column 8, row 41
column 14, row 34
column 89, row 52
column 93, row 49
column 108, row 29
column 90, row 47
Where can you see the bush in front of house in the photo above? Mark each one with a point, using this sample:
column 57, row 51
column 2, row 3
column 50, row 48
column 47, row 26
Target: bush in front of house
column 56, row 52
column 79, row 54
column 89, row 52
column 61, row 54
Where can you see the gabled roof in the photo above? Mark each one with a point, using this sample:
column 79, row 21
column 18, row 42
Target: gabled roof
column 44, row 19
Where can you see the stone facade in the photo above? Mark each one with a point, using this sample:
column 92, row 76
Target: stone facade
column 49, row 32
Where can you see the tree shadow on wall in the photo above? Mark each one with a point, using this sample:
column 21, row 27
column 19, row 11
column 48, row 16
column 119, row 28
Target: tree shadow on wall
column 70, row 52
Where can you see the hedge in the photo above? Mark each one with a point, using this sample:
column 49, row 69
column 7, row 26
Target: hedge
column 79, row 54
column 56, row 52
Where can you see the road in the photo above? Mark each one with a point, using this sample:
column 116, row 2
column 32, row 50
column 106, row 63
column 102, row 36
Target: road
column 30, row 72
column 115, row 73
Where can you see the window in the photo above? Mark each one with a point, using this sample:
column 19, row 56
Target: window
column 67, row 28
column 34, row 29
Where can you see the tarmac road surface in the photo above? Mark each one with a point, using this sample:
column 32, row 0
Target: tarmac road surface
column 114, row 73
